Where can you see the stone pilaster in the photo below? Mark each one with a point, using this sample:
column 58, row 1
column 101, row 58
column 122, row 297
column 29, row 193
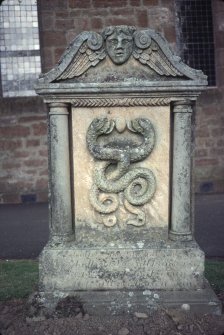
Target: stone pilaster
column 60, row 184
column 181, row 179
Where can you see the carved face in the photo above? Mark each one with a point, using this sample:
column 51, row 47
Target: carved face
column 119, row 46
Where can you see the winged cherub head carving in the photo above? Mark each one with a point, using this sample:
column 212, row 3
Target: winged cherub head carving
column 119, row 43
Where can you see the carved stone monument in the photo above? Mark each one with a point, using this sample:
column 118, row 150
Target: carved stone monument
column 120, row 149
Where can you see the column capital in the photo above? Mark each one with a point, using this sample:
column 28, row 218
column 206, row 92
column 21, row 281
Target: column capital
column 182, row 106
column 58, row 108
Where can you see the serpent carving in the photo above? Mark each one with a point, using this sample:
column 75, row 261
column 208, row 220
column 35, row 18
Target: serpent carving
column 116, row 174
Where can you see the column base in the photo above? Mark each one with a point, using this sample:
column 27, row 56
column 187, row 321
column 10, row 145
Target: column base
column 61, row 239
column 181, row 237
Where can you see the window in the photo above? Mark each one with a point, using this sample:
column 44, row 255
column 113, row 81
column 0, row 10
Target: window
column 19, row 47
column 195, row 36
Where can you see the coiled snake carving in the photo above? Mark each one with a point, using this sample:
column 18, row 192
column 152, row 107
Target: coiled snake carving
column 116, row 174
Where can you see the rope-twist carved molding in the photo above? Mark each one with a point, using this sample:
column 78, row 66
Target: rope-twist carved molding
column 114, row 102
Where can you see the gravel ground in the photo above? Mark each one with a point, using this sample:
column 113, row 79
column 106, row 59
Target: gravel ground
column 14, row 321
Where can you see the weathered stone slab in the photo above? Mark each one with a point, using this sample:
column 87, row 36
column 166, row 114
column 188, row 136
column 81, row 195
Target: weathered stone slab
column 156, row 211
column 200, row 301
column 167, row 268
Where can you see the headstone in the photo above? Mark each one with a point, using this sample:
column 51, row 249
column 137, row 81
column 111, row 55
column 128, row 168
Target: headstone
column 120, row 154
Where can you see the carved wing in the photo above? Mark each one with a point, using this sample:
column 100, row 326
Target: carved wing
column 148, row 52
column 90, row 53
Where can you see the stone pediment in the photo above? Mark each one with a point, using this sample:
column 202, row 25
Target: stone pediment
column 121, row 56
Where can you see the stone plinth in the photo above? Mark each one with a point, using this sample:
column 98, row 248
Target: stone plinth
column 120, row 140
column 75, row 269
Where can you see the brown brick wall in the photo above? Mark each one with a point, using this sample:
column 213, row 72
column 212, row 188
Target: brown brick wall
column 61, row 21
column 23, row 148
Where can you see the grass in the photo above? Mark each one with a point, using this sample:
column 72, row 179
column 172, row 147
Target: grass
column 20, row 278
column 17, row 278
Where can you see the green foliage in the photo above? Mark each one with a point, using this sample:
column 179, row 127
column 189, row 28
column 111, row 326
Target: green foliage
column 17, row 278
column 214, row 272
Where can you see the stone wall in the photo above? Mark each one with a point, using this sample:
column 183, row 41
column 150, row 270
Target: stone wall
column 23, row 147
column 23, row 157
column 61, row 21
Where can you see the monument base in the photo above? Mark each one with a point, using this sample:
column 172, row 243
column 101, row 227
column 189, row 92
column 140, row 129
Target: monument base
column 171, row 266
column 108, row 280
column 201, row 301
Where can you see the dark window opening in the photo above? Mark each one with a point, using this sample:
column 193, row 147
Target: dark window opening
column 195, row 36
